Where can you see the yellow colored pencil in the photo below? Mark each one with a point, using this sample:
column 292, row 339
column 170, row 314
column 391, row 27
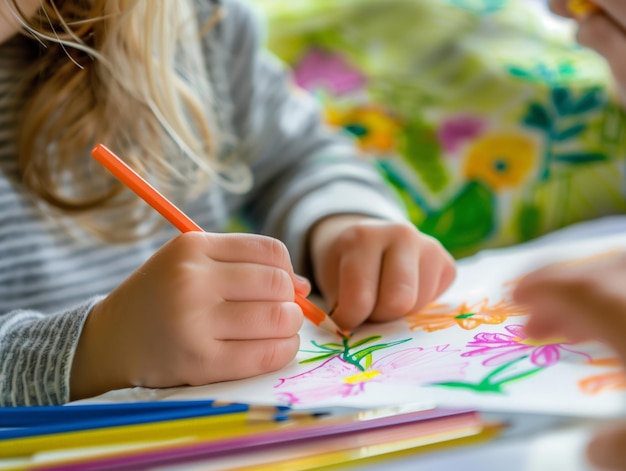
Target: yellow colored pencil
column 383, row 451
column 347, row 448
column 219, row 426
column 488, row 433
column 582, row 8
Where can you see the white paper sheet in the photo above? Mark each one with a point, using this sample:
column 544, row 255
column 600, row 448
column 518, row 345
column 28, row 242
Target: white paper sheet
column 469, row 351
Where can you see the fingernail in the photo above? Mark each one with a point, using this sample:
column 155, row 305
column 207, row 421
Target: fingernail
column 302, row 284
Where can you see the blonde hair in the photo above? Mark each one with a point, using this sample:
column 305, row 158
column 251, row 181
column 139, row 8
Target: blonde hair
column 130, row 74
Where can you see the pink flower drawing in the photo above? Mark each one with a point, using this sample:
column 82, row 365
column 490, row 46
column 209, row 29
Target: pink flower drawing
column 337, row 378
column 503, row 348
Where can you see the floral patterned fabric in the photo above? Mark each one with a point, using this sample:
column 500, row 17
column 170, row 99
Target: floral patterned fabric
column 493, row 126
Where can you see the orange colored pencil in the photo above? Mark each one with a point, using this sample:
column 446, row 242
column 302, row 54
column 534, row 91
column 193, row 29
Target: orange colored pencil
column 183, row 223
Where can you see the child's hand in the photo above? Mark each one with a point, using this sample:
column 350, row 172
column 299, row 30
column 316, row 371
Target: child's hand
column 605, row 32
column 583, row 301
column 378, row 270
column 205, row 308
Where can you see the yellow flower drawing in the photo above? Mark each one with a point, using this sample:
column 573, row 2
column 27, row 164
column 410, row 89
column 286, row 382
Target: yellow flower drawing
column 501, row 160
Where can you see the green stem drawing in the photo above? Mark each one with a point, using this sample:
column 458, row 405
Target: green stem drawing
column 486, row 385
column 361, row 359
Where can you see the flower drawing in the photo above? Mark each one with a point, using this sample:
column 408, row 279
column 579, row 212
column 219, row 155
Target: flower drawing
column 503, row 348
column 604, row 382
column 336, row 378
column 467, row 316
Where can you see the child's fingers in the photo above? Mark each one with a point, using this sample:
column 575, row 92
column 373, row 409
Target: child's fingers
column 238, row 359
column 400, row 282
column 359, row 275
column 249, row 248
column 256, row 320
column 607, row 450
column 437, row 272
column 248, row 282
column 302, row 285
column 448, row 273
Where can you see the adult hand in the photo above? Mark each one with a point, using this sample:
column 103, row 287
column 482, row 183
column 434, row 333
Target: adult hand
column 371, row 269
column 583, row 301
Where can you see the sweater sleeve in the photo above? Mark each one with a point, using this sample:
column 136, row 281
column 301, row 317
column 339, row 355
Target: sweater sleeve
column 36, row 353
column 303, row 170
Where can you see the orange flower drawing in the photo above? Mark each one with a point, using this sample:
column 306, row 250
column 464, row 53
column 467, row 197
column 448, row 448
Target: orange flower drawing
column 611, row 381
column 467, row 316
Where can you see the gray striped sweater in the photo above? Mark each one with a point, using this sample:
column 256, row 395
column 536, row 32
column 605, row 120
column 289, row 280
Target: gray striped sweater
column 50, row 279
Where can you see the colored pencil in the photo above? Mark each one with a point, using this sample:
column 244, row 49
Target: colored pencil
column 489, row 432
column 207, row 427
column 351, row 448
column 303, row 432
column 118, row 420
column 183, row 223
column 30, row 416
column 582, row 8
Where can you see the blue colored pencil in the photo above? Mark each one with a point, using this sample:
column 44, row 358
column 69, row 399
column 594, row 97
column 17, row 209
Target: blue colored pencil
column 30, row 416
column 150, row 416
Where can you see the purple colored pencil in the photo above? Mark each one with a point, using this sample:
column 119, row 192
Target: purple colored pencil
column 216, row 448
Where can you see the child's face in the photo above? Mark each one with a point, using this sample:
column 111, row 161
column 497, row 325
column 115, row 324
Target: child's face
column 9, row 24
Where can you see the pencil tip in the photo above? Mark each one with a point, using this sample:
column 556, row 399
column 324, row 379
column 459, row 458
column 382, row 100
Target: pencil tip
column 343, row 333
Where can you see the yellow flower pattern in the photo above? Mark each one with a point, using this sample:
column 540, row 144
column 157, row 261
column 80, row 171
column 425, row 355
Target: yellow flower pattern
column 501, row 160
column 375, row 129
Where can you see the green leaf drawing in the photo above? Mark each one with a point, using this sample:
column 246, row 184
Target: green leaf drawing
column 328, row 346
column 579, row 158
column 570, row 132
column 317, row 358
column 373, row 338
column 466, row 220
column 593, row 99
column 343, row 352
column 367, row 351
column 561, row 100
column 487, row 385
column 538, row 117
column 419, row 144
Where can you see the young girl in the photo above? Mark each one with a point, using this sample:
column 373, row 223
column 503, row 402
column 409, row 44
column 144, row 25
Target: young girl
column 588, row 300
column 96, row 292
